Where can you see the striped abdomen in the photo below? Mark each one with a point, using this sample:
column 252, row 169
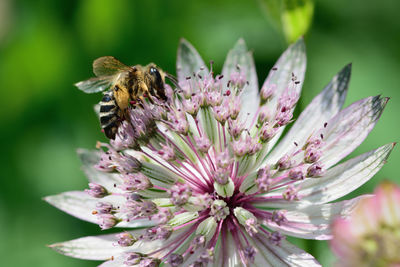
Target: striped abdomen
column 109, row 114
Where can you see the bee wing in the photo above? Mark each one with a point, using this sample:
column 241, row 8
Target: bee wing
column 95, row 85
column 106, row 66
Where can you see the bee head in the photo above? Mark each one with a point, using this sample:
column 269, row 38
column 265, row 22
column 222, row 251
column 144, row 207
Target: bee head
column 156, row 76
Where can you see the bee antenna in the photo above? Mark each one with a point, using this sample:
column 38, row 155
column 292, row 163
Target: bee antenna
column 174, row 80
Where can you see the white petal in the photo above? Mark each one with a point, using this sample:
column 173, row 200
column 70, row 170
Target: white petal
column 188, row 61
column 293, row 60
column 313, row 222
column 348, row 129
column 323, row 107
column 239, row 56
column 115, row 262
column 101, row 247
column 104, row 247
column 81, row 205
column 91, row 157
column 338, row 181
column 231, row 258
column 286, row 254
column 158, row 173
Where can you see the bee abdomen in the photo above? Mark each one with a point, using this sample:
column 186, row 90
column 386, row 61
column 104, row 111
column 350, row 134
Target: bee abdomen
column 106, row 119
column 107, row 108
column 109, row 115
column 111, row 130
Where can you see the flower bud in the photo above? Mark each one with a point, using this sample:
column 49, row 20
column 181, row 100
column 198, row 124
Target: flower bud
column 290, row 194
column 133, row 258
column 315, row 170
column 312, row 154
column 135, row 182
column 175, row 260
column 284, row 163
column 296, row 174
column 104, row 207
column 96, row 190
column 246, row 218
column 149, row 262
column 180, row 194
column 237, row 80
column 125, row 239
column 249, row 254
column 107, row 221
column 219, row 210
column 267, row 92
column 225, row 190
column 207, row 228
column 202, row 143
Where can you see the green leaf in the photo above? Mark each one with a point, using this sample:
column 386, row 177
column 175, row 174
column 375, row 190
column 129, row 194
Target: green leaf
column 292, row 17
column 297, row 18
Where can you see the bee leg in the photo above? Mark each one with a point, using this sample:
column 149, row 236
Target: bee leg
column 150, row 98
column 145, row 92
column 143, row 100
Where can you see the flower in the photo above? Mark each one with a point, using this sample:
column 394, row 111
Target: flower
column 371, row 235
column 207, row 178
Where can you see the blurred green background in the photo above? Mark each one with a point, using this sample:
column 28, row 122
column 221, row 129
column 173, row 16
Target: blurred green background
column 46, row 46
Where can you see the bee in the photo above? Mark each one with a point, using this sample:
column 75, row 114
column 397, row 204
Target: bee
column 123, row 85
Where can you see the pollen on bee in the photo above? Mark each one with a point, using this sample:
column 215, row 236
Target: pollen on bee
column 98, row 145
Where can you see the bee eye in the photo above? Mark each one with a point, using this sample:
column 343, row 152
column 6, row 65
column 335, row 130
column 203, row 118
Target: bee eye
column 153, row 71
column 157, row 77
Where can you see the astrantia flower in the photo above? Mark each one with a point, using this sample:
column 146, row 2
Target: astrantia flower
column 371, row 235
column 204, row 178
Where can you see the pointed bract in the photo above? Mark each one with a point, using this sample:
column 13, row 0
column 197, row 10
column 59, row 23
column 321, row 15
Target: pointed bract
column 321, row 109
column 291, row 64
column 348, row 129
column 240, row 60
column 188, row 61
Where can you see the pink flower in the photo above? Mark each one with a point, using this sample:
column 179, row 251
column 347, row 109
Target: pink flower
column 370, row 236
column 209, row 180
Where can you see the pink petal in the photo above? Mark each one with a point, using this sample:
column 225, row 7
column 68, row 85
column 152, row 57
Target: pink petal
column 388, row 203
